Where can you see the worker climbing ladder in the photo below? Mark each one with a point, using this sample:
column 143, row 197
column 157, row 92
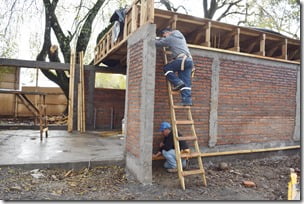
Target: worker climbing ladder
column 193, row 137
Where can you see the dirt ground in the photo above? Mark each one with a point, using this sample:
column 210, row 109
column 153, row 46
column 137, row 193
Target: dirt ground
column 270, row 176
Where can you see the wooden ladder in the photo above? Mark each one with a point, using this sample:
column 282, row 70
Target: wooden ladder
column 193, row 137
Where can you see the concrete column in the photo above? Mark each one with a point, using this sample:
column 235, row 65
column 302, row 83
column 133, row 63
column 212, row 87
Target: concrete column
column 214, row 102
column 139, row 109
column 296, row 134
column 90, row 100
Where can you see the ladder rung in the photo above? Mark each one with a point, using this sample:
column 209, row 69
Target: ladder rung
column 191, row 155
column 183, row 138
column 184, row 122
column 181, row 107
column 168, row 52
column 175, row 92
column 192, row 172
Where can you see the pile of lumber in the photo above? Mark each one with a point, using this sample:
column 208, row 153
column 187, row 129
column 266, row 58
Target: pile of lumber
column 58, row 120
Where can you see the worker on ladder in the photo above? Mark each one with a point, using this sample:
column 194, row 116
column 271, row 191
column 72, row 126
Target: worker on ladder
column 167, row 148
column 182, row 63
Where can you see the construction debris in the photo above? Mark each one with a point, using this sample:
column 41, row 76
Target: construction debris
column 249, row 184
column 112, row 183
column 58, row 119
column 223, row 166
column 68, row 173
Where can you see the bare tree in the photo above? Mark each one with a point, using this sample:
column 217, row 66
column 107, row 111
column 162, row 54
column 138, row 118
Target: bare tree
column 170, row 7
column 52, row 23
column 226, row 7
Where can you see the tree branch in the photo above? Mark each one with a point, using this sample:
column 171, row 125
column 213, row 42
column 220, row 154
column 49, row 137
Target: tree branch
column 224, row 14
column 86, row 30
column 62, row 39
column 167, row 4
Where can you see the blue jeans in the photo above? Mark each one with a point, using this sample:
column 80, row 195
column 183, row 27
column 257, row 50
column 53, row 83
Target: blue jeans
column 170, row 162
column 183, row 76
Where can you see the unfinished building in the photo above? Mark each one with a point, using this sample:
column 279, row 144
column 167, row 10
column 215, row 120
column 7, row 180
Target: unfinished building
column 245, row 90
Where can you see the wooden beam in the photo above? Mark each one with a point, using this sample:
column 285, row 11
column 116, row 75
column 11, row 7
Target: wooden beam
column 173, row 22
column 134, row 18
column 207, row 42
column 150, row 10
column 271, row 51
column 108, row 43
column 143, row 12
column 262, row 45
column 292, row 54
column 82, row 94
column 198, row 34
column 33, row 64
column 236, row 46
column 71, row 93
column 284, row 49
column 252, row 44
column 55, row 65
column 242, row 54
column 227, row 39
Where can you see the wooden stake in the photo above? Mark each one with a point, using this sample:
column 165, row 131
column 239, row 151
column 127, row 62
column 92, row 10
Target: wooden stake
column 83, row 96
column 71, row 93
column 79, row 108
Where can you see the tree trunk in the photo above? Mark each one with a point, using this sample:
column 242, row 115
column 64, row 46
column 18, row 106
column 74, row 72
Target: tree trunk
column 51, row 21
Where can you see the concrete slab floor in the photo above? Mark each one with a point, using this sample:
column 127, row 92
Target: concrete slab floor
column 23, row 147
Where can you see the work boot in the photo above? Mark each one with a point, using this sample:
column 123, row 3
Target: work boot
column 187, row 104
column 172, row 170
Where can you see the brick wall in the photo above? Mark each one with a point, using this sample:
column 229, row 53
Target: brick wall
column 109, row 108
column 134, row 97
column 200, row 96
column 256, row 100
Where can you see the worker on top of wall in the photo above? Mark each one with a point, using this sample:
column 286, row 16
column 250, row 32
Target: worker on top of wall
column 167, row 148
column 182, row 63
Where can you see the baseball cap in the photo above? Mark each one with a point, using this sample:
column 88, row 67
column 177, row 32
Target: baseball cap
column 166, row 30
column 164, row 125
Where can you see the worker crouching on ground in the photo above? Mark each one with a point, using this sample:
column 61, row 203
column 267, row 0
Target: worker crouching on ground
column 182, row 63
column 167, row 148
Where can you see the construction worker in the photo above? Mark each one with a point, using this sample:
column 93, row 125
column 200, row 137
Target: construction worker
column 167, row 148
column 182, row 63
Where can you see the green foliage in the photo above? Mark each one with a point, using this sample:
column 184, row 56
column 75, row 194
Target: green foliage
column 279, row 15
column 111, row 81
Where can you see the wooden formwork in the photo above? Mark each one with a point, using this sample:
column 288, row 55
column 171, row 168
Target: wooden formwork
column 199, row 32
